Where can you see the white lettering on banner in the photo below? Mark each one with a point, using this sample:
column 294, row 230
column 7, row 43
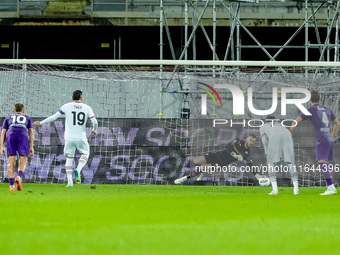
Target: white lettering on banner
column 252, row 122
column 238, row 100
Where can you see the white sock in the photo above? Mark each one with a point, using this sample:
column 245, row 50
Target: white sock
column 69, row 170
column 295, row 177
column 274, row 185
column 296, row 185
column 272, row 177
column 82, row 162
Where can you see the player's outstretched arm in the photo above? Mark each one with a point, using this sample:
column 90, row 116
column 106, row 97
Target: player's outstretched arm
column 264, row 140
column 36, row 123
column 336, row 123
column 297, row 121
column 2, row 141
column 31, row 136
column 229, row 150
column 237, row 156
column 48, row 119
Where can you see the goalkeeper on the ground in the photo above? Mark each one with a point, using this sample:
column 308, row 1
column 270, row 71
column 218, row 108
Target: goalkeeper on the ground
column 237, row 150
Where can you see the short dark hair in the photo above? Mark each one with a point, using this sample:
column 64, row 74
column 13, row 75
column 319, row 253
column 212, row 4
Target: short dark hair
column 315, row 96
column 18, row 107
column 77, row 94
column 270, row 117
column 252, row 135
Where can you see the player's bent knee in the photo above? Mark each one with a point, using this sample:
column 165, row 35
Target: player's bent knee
column 196, row 163
column 83, row 159
column 199, row 161
column 85, row 156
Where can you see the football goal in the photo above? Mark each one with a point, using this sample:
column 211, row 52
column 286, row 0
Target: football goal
column 155, row 117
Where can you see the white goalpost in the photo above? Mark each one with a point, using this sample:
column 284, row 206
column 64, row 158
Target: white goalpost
column 156, row 116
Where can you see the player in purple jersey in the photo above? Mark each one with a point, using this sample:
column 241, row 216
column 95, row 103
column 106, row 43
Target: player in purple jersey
column 18, row 130
column 321, row 119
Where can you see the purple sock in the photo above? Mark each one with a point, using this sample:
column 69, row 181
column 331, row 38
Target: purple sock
column 326, row 172
column 11, row 181
column 21, row 174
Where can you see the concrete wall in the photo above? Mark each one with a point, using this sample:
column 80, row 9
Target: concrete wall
column 146, row 13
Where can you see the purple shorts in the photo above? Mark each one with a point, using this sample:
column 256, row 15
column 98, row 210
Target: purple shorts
column 17, row 143
column 324, row 151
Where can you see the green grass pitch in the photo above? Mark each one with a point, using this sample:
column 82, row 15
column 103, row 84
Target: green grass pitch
column 138, row 219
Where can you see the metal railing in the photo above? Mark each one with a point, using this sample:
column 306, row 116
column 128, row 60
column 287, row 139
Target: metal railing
column 144, row 8
column 9, row 8
column 109, row 5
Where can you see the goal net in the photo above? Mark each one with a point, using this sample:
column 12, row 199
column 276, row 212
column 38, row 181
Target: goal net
column 156, row 117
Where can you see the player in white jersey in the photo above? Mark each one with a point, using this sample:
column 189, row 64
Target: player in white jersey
column 76, row 114
column 278, row 145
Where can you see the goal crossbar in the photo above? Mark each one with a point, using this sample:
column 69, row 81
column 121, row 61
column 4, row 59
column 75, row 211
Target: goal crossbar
column 168, row 62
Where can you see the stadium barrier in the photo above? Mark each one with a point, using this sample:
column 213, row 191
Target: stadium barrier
column 147, row 151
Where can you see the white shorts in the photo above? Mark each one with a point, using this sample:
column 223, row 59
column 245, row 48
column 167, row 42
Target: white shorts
column 71, row 146
column 280, row 147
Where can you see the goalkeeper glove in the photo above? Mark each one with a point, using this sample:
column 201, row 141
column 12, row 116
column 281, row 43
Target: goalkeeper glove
column 238, row 157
